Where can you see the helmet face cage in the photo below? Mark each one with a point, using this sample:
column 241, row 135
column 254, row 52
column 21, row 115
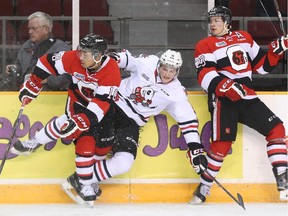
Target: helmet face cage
column 93, row 43
column 172, row 59
column 221, row 11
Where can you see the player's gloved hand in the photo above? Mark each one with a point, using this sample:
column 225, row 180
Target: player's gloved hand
column 115, row 56
column 74, row 126
column 30, row 89
column 230, row 89
column 197, row 157
column 280, row 45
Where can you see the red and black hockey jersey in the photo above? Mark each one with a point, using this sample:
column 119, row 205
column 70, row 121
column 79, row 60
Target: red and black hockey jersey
column 235, row 56
column 86, row 89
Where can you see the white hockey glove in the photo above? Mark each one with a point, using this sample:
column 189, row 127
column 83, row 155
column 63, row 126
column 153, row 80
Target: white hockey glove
column 280, row 45
column 74, row 126
column 230, row 89
column 197, row 157
column 115, row 56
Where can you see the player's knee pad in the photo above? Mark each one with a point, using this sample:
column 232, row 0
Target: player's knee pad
column 278, row 132
column 120, row 163
column 85, row 146
column 220, row 148
column 126, row 145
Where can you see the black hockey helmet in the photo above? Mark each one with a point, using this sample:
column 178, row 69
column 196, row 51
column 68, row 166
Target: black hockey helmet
column 220, row 11
column 93, row 43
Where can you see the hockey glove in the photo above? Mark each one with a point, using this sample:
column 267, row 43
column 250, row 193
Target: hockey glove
column 280, row 45
column 197, row 157
column 115, row 56
column 74, row 126
column 230, row 89
column 30, row 89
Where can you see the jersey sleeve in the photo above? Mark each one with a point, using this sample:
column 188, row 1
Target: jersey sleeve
column 206, row 65
column 52, row 64
column 263, row 62
column 108, row 88
column 185, row 116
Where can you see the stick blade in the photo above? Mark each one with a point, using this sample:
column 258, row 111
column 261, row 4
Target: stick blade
column 240, row 201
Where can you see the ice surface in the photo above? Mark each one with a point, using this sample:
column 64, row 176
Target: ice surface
column 100, row 209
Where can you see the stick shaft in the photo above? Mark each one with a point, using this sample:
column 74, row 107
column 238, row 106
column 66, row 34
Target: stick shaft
column 9, row 145
column 239, row 202
column 280, row 17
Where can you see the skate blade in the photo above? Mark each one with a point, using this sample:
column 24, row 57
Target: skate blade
column 284, row 195
column 14, row 151
column 70, row 191
column 195, row 201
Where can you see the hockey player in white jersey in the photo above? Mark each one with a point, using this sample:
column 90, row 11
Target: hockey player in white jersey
column 153, row 87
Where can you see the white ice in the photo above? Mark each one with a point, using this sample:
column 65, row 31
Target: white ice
column 209, row 209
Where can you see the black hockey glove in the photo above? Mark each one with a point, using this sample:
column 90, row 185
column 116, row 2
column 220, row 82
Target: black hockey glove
column 197, row 157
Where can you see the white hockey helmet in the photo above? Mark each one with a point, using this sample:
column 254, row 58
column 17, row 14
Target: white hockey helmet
column 170, row 58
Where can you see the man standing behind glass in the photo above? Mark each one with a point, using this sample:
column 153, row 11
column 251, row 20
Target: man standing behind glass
column 41, row 41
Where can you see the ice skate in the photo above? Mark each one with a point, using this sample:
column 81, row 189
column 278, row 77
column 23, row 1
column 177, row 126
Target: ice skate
column 25, row 147
column 282, row 184
column 199, row 195
column 81, row 194
column 97, row 190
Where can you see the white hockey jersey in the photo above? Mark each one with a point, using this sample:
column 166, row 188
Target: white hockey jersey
column 143, row 95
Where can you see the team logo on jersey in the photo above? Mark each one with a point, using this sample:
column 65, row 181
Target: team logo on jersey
column 142, row 95
column 221, row 44
column 87, row 89
column 79, row 75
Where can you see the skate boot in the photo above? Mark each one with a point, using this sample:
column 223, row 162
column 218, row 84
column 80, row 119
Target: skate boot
column 282, row 184
column 97, row 190
column 199, row 195
column 81, row 194
column 25, row 147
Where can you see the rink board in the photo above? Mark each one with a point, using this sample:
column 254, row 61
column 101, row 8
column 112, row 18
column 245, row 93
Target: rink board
column 161, row 172
column 137, row 193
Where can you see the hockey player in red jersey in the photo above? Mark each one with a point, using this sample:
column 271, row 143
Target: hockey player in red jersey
column 153, row 87
column 89, row 107
column 224, row 62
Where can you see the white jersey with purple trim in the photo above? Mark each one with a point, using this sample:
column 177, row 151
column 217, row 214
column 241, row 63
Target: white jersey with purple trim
column 143, row 95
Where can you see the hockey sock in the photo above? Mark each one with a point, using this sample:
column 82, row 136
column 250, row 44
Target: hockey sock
column 120, row 163
column 277, row 154
column 214, row 166
column 51, row 130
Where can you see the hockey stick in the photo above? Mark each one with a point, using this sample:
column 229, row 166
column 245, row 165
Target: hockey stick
column 9, row 145
column 280, row 17
column 239, row 201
